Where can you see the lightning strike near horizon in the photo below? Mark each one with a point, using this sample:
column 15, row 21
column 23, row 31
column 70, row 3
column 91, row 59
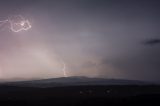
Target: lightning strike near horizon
column 17, row 23
column 64, row 70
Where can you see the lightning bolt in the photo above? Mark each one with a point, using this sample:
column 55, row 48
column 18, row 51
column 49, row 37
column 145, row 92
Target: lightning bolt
column 21, row 26
column 64, row 69
column 3, row 22
column 17, row 23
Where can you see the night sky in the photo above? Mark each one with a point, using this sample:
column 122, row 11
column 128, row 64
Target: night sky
column 94, row 38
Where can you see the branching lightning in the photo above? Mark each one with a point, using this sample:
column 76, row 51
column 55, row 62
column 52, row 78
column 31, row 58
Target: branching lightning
column 17, row 23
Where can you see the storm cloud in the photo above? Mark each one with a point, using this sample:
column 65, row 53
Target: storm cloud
column 152, row 42
column 95, row 38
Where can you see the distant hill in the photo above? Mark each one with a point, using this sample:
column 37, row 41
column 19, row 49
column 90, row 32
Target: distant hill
column 74, row 81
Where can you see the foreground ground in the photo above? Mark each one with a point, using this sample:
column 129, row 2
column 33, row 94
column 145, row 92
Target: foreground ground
column 80, row 95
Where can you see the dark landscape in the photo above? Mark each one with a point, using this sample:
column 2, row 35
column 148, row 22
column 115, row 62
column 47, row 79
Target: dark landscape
column 77, row 91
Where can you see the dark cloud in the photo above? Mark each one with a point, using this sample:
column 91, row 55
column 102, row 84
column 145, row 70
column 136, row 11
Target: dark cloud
column 152, row 42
